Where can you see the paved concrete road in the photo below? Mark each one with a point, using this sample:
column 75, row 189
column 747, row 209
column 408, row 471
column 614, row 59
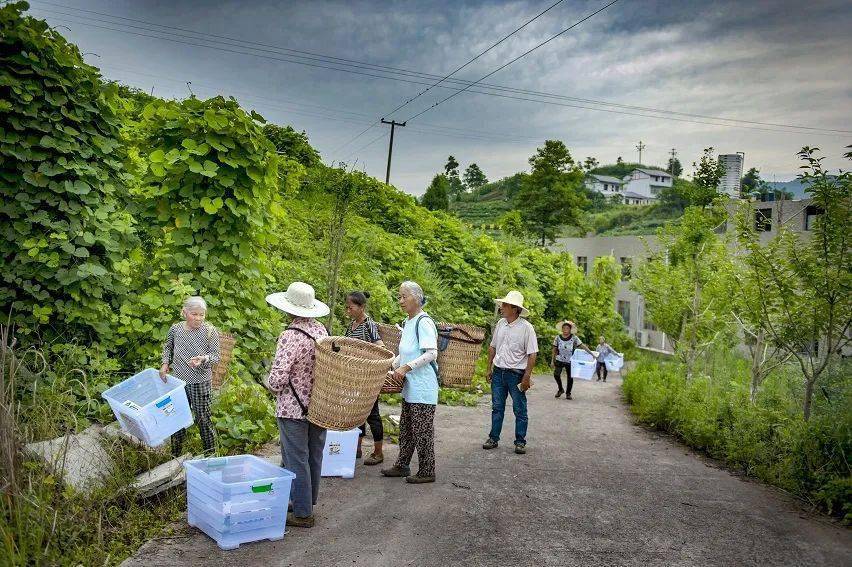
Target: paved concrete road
column 594, row 489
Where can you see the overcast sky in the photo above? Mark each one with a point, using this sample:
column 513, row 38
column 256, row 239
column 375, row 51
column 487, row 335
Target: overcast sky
column 781, row 62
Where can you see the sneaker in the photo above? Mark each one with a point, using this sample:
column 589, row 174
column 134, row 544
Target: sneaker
column 374, row 459
column 598, row 380
column 417, row 479
column 520, row 448
column 559, row 393
column 396, row 471
column 490, row 444
column 296, row 521
column 568, row 397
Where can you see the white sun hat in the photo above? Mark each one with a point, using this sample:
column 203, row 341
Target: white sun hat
column 515, row 298
column 298, row 300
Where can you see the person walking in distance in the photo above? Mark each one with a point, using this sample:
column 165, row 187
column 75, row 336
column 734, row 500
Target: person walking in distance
column 511, row 359
column 563, row 349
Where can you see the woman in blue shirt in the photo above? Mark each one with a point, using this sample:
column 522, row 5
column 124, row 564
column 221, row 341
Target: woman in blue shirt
column 416, row 362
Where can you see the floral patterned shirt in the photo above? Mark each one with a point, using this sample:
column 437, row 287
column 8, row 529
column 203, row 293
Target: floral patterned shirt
column 294, row 359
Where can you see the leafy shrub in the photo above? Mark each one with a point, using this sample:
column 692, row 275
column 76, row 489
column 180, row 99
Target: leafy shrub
column 65, row 228
column 244, row 416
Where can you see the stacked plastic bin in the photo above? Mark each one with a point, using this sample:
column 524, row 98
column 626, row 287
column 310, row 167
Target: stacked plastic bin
column 237, row 499
column 148, row 408
column 338, row 455
column 583, row 365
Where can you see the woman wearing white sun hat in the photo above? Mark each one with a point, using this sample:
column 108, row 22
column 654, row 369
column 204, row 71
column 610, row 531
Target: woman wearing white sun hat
column 291, row 379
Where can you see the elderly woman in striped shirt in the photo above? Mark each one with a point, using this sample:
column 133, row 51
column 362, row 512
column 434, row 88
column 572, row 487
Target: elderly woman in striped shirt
column 364, row 328
column 192, row 349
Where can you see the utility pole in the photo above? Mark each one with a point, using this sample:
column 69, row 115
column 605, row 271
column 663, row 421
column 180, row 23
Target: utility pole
column 393, row 124
column 672, row 153
column 640, row 146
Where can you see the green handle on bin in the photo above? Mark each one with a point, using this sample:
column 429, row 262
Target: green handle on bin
column 262, row 488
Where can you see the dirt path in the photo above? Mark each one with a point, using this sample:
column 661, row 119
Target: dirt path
column 593, row 489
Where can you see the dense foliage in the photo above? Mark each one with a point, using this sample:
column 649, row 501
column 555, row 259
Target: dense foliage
column 65, row 230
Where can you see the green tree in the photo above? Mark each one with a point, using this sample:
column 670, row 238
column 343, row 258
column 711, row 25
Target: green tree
column 552, row 195
column 705, row 183
column 589, row 164
column 436, row 197
column 751, row 182
column 474, row 178
column 619, row 161
column 455, row 187
column 65, row 227
column 292, row 144
column 687, row 284
column 675, row 168
column 802, row 282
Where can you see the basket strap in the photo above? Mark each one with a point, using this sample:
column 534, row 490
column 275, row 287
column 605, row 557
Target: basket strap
column 447, row 332
column 302, row 405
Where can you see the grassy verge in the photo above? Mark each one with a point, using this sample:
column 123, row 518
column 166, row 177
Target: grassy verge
column 769, row 439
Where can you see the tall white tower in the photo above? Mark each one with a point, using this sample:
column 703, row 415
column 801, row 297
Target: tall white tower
column 731, row 182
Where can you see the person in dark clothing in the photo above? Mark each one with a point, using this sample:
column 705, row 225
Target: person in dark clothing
column 563, row 348
column 364, row 328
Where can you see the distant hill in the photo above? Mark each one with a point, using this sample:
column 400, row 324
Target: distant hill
column 795, row 187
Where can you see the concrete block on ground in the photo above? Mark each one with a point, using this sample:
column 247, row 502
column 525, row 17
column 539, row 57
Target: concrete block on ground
column 79, row 459
column 162, row 474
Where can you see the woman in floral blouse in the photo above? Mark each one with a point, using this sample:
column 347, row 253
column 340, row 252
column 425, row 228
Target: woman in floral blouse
column 292, row 379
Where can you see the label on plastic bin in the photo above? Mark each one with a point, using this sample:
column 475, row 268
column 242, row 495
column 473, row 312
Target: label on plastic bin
column 166, row 405
column 132, row 405
column 334, row 448
column 262, row 488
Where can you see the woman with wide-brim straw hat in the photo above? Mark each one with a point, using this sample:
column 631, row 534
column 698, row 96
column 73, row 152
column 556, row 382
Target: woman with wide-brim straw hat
column 291, row 379
column 564, row 344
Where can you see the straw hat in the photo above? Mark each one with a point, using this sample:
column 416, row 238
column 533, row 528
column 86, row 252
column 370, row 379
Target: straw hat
column 298, row 300
column 515, row 298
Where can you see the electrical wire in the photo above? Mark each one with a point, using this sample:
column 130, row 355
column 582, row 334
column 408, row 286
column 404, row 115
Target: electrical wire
column 657, row 113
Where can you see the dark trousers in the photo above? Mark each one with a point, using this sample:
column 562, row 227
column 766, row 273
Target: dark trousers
column 601, row 365
column 374, row 420
column 504, row 383
column 198, row 396
column 557, row 374
column 302, row 446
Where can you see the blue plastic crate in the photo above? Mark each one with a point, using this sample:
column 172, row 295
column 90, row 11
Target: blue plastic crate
column 148, row 408
column 238, row 499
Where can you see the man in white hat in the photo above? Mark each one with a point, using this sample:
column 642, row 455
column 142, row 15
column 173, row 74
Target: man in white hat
column 511, row 359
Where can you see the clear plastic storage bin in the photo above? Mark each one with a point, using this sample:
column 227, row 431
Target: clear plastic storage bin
column 239, row 499
column 148, row 408
column 338, row 455
column 614, row 363
column 583, row 365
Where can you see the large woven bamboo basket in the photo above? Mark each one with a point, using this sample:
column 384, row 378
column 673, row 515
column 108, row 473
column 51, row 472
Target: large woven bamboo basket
column 457, row 363
column 348, row 376
column 390, row 336
column 220, row 369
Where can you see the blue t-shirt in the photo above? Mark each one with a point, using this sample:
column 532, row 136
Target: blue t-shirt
column 421, row 385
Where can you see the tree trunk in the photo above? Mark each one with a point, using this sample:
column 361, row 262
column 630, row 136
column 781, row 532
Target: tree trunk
column 809, row 394
column 756, row 370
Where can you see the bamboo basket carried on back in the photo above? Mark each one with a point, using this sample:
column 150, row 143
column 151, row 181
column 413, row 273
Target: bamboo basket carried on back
column 220, row 369
column 462, row 345
column 348, row 376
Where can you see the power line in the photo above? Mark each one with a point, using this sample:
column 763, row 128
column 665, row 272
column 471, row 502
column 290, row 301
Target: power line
column 664, row 114
column 524, row 54
column 445, row 77
column 425, row 128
